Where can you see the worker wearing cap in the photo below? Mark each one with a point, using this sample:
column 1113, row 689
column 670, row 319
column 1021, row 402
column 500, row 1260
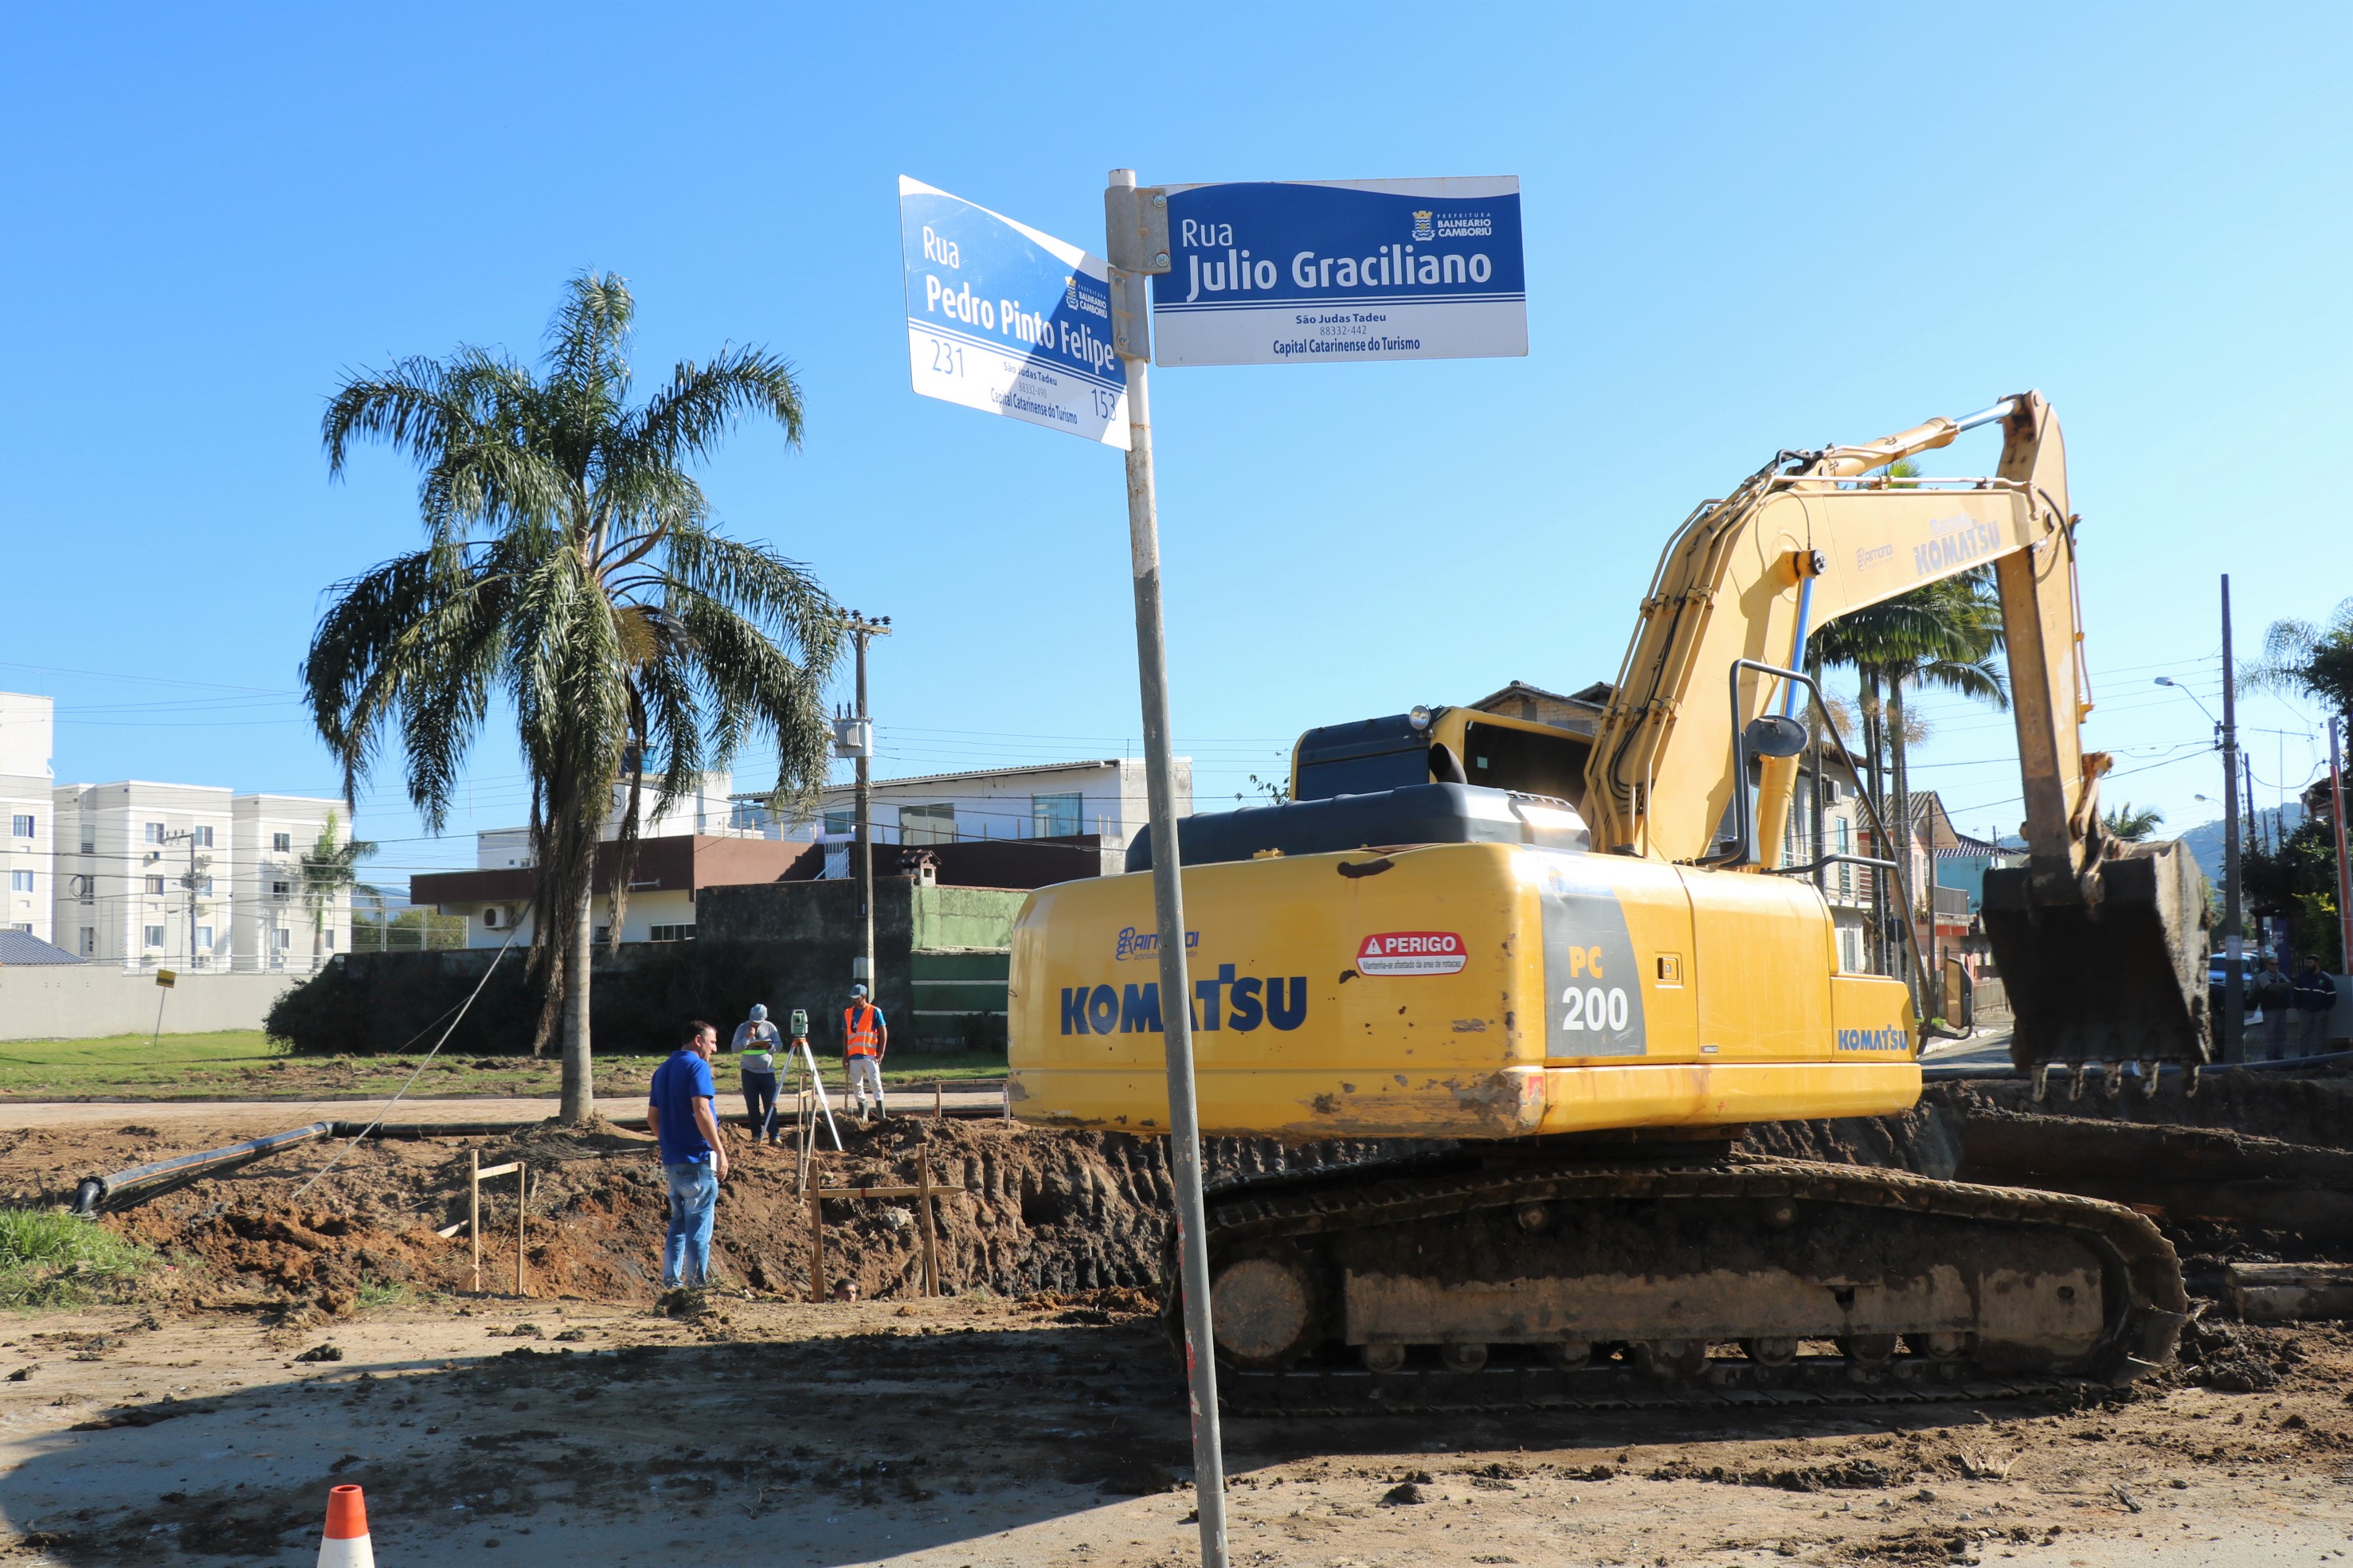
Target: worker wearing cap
column 864, row 1037
column 756, row 1045
column 2315, row 1000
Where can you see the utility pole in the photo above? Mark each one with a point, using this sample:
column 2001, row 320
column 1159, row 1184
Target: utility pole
column 1135, row 225
column 2234, row 943
column 189, row 882
column 858, row 742
column 2344, row 866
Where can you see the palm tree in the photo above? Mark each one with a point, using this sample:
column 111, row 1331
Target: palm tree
column 571, row 569
column 330, row 870
column 2130, row 824
column 2302, row 659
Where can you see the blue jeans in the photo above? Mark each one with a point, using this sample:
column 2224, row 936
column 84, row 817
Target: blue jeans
column 693, row 1204
column 760, row 1103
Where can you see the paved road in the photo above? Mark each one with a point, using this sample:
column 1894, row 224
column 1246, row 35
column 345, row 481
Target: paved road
column 273, row 1115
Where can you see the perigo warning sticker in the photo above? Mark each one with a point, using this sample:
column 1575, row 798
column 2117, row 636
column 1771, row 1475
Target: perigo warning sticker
column 1412, row 952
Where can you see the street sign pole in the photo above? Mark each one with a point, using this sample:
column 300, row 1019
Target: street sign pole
column 1135, row 225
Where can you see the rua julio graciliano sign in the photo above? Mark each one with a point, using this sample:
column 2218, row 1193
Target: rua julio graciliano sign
column 1325, row 272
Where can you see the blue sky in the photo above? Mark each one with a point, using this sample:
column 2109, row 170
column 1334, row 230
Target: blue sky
column 1747, row 229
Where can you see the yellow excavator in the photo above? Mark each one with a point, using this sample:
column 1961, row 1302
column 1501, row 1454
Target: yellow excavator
column 1559, row 975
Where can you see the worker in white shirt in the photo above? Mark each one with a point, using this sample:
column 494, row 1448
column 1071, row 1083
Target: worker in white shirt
column 756, row 1045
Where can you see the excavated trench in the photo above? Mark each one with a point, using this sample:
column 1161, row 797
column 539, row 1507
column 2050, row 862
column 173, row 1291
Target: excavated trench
column 2258, row 1166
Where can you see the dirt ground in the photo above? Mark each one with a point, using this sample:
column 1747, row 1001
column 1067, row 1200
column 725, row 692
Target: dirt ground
column 1035, row 1416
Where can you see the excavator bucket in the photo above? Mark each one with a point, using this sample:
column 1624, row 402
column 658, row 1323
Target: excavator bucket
column 2116, row 977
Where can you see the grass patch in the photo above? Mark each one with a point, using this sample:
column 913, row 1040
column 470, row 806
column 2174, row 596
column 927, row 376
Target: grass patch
column 386, row 1293
column 51, row 1259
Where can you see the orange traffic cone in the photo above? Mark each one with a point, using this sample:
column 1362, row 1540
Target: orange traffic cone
column 346, row 1544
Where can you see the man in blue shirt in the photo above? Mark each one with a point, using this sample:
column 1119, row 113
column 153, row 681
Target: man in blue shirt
column 684, row 1121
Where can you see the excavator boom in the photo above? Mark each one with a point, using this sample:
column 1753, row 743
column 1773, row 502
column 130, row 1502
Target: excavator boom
column 2103, row 948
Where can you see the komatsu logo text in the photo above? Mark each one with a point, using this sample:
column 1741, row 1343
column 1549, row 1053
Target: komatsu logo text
column 1958, row 538
column 1890, row 1038
column 1227, row 1002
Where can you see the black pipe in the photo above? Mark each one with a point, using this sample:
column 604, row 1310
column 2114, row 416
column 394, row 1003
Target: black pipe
column 164, row 1175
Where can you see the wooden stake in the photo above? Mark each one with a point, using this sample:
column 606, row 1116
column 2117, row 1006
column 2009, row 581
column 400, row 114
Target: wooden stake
column 522, row 1207
column 817, row 1243
column 923, row 1207
column 474, row 1211
column 936, row 1101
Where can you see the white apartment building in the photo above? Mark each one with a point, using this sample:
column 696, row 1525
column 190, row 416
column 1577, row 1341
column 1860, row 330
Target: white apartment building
column 190, row 876
column 1056, row 800
column 27, row 728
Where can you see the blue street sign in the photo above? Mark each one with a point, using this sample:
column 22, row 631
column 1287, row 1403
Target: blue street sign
column 1340, row 271
column 1008, row 320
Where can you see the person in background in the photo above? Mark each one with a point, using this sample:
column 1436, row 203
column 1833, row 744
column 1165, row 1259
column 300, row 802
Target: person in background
column 755, row 1052
column 681, row 1115
column 2315, row 1000
column 864, row 1039
column 2269, row 996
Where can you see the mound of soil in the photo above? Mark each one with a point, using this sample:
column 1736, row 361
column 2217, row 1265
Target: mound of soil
column 1025, row 1211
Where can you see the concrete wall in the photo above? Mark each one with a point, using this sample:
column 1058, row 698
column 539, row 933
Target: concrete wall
column 81, row 1002
column 806, row 933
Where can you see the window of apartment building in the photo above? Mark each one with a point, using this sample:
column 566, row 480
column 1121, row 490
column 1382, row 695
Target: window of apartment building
column 670, row 933
column 927, row 823
column 1054, row 815
column 89, row 839
column 327, row 938
column 85, row 889
column 1850, row 950
column 279, row 889
column 281, row 842
column 155, row 936
column 204, row 939
column 25, row 926
column 20, row 827
column 89, row 941
column 20, row 881
column 285, row 938
column 204, row 886
column 154, row 833
column 844, row 821
column 155, row 887
column 204, row 836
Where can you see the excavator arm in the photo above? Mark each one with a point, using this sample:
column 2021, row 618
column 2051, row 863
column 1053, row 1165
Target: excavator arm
column 1809, row 538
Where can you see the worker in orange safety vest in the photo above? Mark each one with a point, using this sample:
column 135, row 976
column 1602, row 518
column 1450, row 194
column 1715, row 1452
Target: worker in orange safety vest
column 865, row 1038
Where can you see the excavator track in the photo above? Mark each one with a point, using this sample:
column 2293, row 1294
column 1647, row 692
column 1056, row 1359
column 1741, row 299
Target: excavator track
column 1636, row 1283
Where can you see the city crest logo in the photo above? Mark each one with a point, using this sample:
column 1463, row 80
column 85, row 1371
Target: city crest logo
column 1421, row 229
column 1070, row 292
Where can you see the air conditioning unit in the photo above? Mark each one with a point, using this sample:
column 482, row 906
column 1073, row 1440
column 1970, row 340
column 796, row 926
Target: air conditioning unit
column 495, row 918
